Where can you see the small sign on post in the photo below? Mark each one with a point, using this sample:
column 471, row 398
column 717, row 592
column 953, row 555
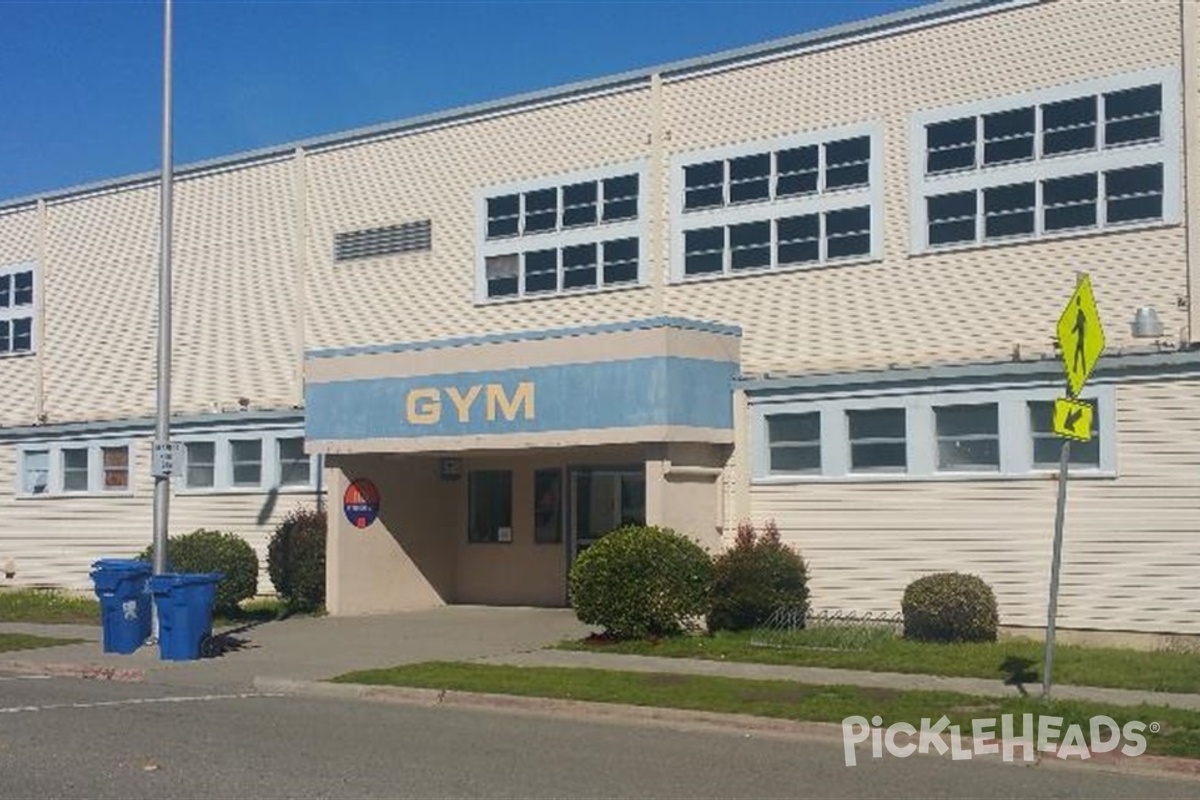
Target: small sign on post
column 1081, row 337
column 167, row 459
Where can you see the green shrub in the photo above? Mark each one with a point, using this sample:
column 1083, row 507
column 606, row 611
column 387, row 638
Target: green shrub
column 950, row 607
column 641, row 581
column 754, row 578
column 296, row 559
column 215, row 551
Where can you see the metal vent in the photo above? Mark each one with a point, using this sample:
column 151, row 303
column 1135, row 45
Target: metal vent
column 404, row 238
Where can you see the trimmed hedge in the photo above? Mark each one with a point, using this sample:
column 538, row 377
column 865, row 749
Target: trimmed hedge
column 950, row 607
column 757, row 576
column 641, row 581
column 215, row 551
column 296, row 559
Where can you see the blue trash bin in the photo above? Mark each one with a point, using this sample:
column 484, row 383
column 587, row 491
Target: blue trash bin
column 185, row 610
column 124, row 602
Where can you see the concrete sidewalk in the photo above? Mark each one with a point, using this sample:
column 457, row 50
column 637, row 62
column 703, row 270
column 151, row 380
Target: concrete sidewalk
column 306, row 649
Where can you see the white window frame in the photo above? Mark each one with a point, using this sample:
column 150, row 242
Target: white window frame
column 223, row 462
column 820, row 203
column 1167, row 151
column 596, row 234
column 55, row 486
column 11, row 314
column 1016, row 436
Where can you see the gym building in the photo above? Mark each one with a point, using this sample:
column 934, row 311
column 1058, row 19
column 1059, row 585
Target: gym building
column 814, row 281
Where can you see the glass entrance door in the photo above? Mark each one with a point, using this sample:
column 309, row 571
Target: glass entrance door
column 602, row 500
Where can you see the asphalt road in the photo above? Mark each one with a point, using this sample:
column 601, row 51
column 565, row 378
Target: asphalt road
column 64, row 737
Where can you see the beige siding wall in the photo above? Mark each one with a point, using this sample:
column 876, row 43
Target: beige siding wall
column 910, row 310
column 1131, row 553
column 433, row 175
column 54, row 540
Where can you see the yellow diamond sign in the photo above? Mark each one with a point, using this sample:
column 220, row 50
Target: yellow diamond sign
column 1073, row 419
column 1080, row 335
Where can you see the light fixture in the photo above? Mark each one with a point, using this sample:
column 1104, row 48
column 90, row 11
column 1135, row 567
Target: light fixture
column 1146, row 324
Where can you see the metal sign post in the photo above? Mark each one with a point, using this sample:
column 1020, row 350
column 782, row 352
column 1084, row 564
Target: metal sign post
column 1081, row 337
column 162, row 430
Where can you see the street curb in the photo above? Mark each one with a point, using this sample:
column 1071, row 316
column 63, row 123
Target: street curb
column 745, row 724
column 94, row 672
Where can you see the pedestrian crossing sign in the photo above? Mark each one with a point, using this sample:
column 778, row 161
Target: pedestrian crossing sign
column 1073, row 419
column 1080, row 335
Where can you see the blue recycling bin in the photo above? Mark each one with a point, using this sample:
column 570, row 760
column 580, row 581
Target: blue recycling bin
column 124, row 602
column 185, row 611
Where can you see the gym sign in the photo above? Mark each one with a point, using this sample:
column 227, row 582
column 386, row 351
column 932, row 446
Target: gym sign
column 487, row 401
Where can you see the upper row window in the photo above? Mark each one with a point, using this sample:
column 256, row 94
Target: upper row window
column 1077, row 125
column 16, row 310
column 793, row 172
column 559, row 208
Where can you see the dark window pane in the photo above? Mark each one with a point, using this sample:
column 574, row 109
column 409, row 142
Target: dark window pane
column 799, row 239
column 805, row 458
column 1134, row 193
column 750, row 245
column 547, row 506
column 750, row 167
column 949, row 134
column 1070, row 202
column 620, row 261
column 704, row 251
column 5, row 337
column 541, row 271
column 5, row 291
column 620, row 198
column 502, row 275
column 22, row 335
column 22, row 289
column 704, row 185
column 883, row 456
column 1142, row 101
column 503, row 215
column 1009, row 198
column 794, row 428
column 950, row 145
column 1009, row 210
column 541, row 210
column 579, row 204
column 579, row 266
column 848, row 232
column 951, row 217
column 489, row 505
column 847, row 163
column 798, row 171
column 968, row 454
column 1069, row 126
column 967, row 420
column 793, row 228
column 1008, row 136
column 877, row 423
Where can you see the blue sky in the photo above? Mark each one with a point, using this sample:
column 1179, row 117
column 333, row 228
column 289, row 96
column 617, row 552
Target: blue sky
column 81, row 85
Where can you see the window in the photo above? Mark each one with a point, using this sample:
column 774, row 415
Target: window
column 795, row 442
column 953, row 433
column 968, row 437
column 547, row 506
column 1078, row 158
column 293, row 462
column 201, row 461
column 489, row 513
column 75, row 469
column 246, row 461
column 878, row 440
column 35, row 472
column 1047, row 445
column 561, row 235
column 115, row 464
column 17, row 287
column 799, row 201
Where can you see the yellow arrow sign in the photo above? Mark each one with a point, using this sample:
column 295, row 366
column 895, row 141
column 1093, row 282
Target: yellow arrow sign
column 1073, row 419
column 1080, row 335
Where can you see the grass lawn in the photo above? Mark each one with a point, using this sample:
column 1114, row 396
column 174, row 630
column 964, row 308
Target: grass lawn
column 1179, row 734
column 42, row 606
column 1084, row 666
column 19, row 641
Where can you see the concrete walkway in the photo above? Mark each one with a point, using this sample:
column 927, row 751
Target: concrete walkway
column 309, row 649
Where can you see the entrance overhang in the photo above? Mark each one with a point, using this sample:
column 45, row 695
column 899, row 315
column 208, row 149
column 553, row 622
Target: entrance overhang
column 664, row 379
